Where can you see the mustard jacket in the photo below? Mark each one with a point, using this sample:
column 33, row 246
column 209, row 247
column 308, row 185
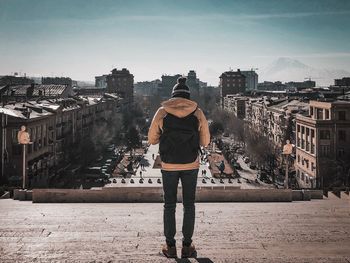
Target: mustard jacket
column 179, row 107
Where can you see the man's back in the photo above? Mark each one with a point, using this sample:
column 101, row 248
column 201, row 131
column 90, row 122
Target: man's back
column 179, row 114
column 180, row 127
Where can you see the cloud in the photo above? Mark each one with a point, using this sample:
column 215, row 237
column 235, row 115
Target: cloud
column 238, row 17
column 311, row 55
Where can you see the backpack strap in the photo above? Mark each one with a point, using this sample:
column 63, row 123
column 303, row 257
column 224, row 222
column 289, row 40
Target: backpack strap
column 193, row 112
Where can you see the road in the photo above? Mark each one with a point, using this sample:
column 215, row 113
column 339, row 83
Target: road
column 153, row 174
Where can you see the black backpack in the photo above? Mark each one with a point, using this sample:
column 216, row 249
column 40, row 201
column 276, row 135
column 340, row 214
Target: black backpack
column 179, row 141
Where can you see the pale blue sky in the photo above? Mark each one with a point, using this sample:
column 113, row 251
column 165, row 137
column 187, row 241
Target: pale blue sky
column 84, row 38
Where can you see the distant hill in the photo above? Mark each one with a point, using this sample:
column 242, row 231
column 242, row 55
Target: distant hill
column 287, row 69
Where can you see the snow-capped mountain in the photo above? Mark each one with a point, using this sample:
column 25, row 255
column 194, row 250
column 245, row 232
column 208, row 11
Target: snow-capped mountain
column 287, row 69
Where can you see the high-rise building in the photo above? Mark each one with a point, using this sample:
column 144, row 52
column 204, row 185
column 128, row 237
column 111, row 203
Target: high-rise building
column 323, row 144
column 147, row 88
column 251, row 78
column 193, row 84
column 101, row 81
column 232, row 82
column 344, row 82
column 122, row 83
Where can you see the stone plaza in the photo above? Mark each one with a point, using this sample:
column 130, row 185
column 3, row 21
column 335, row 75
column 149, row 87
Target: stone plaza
column 313, row 231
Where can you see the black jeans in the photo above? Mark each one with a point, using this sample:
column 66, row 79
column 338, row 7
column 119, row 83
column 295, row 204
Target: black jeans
column 189, row 184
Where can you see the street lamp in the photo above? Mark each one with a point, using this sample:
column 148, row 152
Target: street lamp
column 287, row 151
column 24, row 139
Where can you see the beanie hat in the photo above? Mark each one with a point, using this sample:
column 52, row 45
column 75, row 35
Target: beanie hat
column 180, row 89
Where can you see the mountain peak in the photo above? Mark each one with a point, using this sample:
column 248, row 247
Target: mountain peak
column 284, row 62
column 287, row 69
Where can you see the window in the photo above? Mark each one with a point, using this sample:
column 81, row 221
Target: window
column 325, row 135
column 311, row 111
column 307, row 139
column 14, row 136
column 319, row 114
column 341, row 115
column 298, row 158
column 325, row 150
column 341, row 152
column 312, row 166
column 327, row 114
column 342, row 135
column 312, row 182
column 32, row 134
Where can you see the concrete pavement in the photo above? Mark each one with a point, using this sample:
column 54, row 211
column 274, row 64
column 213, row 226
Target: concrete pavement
column 315, row 231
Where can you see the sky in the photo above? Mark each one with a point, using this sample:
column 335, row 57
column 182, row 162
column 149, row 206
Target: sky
column 85, row 38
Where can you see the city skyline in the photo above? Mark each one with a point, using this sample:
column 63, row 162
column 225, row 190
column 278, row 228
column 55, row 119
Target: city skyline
column 83, row 39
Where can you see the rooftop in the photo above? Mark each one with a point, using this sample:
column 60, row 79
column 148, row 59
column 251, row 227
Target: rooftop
column 314, row 231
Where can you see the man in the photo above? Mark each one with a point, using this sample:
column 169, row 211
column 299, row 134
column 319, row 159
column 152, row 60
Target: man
column 180, row 128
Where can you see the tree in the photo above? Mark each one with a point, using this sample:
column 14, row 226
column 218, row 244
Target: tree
column 87, row 152
column 216, row 128
column 262, row 151
column 132, row 138
column 235, row 126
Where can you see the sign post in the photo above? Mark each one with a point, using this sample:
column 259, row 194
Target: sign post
column 24, row 139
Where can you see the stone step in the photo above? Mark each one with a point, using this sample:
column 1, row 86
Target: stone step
column 344, row 195
column 6, row 195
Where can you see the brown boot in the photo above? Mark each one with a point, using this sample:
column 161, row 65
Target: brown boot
column 189, row 251
column 169, row 252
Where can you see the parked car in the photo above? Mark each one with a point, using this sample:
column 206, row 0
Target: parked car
column 246, row 159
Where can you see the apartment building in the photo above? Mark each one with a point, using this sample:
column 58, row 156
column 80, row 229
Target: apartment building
column 281, row 120
column 121, row 82
column 251, row 79
column 56, row 128
column 232, row 82
column 236, row 105
column 323, row 144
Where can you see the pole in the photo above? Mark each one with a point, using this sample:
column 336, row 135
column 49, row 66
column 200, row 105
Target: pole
column 24, row 166
column 286, row 177
column 2, row 146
